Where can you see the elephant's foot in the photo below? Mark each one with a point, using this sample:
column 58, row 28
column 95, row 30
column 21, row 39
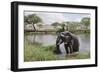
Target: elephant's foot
column 73, row 54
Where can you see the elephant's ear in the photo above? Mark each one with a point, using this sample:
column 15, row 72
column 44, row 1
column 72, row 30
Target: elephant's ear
column 60, row 41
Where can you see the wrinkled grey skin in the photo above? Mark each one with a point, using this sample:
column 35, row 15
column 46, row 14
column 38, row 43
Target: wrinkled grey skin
column 70, row 41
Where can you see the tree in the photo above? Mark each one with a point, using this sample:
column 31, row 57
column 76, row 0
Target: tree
column 63, row 26
column 39, row 25
column 86, row 22
column 32, row 19
column 55, row 24
column 62, row 29
column 25, row 19
column 72, row 25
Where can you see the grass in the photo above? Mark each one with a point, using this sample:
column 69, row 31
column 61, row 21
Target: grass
column 37, row 52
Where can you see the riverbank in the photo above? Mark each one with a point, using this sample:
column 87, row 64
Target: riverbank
column 53, row 32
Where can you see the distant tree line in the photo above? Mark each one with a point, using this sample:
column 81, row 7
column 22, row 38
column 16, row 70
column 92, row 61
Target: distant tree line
column 68, row 25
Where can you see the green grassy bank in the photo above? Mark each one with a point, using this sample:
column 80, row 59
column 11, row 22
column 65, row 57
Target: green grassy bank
column 37, row 52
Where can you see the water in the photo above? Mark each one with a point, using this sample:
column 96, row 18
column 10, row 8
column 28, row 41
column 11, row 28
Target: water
column 50, row 39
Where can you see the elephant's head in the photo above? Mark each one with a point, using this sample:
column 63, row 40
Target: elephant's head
column 64, row 37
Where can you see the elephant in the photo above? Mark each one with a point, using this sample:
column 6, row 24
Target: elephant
column 71, row 42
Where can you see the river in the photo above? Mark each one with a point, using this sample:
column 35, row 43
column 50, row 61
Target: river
column 50, row 39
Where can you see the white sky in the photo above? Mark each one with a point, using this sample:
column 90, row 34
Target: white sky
column 51, row 17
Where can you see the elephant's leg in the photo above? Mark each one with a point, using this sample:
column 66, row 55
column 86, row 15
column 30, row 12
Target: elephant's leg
column 71, row 48
column 66, row 48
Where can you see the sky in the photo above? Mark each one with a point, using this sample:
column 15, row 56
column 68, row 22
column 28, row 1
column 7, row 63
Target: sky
column 51, row 17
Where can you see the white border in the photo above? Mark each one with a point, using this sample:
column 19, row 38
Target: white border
column 22, row 64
